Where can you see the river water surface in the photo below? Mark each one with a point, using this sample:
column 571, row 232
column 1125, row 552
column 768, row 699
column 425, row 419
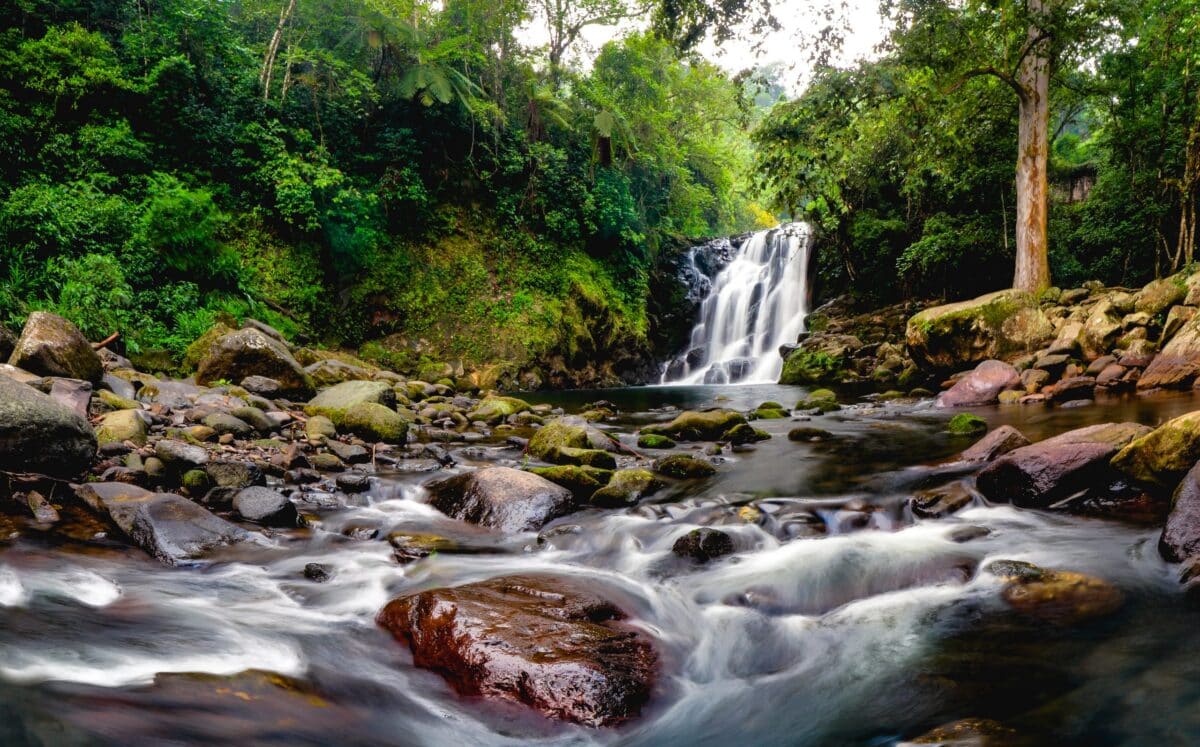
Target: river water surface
column 841, row 620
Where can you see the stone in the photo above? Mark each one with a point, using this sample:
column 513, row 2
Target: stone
column 809, row 434
column 1111, row 377
column 1066, row 341
column 74, row 393
column 223, row 422
column 8, row 341
column 317, row 572
column 626, row 487
column 1176, row 318
column 1178, row 363
column 1061, row 598
column 502, row 498
column 1159, row 295
column 353, row 482
column 52, row 346
column 566, row 432
column 181, row 456
column 411, row 546
column 256, row 418
column 981, row 386
column 263, row 505
column 691, row 425
column 1180, row 539
column 586, row 457
column 943, row 501
column 250, row 352
column 349, row 453
column 494, row 409
column 1074, row 388
column 1139, row 354
column 320, row 428
column 999, row 325
column 684, row 467
column 122, row 426
column 1033, row 379
column 1162, row 456
column 337, row 400
column 995, row 444
column 582, row 481
column 654, row 441
column 169, row 527
column 38, row 434
column 262, row 386
column 234, row 473
column 374, row 422
column 969, row 732
column 703, row 544
column 548, row 642
column 1101, row 330
column 966, row 424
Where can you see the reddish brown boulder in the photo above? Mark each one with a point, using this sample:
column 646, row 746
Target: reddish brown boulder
column 996, row 443
column 1180, row 538
column 981, row 386
column 502, row 498
column 1177, row 366
column 1076, row 387
column 544, row 641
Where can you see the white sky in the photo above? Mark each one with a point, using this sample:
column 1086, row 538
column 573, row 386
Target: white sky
column 786, row 46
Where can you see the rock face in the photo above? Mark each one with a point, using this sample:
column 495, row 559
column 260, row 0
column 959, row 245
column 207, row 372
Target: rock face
column 1177, row 366
column 1048, row 471
column 52, row 346
column 538, row 640
column 1162, row 456
column 1180, row 538
column 167, row 526
column 998, row 325
column 251, row 352
column 981, row 386
column 502, row 498
column 709, row 425
column 38, row 434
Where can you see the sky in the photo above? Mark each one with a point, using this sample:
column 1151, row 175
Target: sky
column 786, row 46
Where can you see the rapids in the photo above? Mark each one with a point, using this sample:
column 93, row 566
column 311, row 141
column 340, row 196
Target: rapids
column 878, row 629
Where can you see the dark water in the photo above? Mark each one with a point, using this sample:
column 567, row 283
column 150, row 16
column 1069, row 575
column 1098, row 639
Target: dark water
column 871, row 632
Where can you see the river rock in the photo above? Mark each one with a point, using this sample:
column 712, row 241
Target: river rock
column 493, row 409
column 265, row 506
column 691, row 425
column 570, row 432
column 548, row 642
column 375, row 422
column 703, row 544
column 684, row 467
column 502, row 498
column 250, row 352
column 52, row 346
column 1101, row 329
column 1180, row 539
column 8, row 341
column 173, row 529
column 1074, row 388
column 38, row 434
column 76, row 394
column 1178, row 364
column 1162, row 456
column 181, row 456
column 1159, row 295
column 1057, row 597
column 981, row 386
column 941, row 501
column 999, row 325
column 581, row 480
column 337, row 400
column 626, row 488
column 121, row 426
column 997, row 443
column 969, row 732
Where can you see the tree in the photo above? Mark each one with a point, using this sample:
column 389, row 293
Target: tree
column 566, row 19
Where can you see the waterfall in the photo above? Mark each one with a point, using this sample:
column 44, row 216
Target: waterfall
column 758, row 302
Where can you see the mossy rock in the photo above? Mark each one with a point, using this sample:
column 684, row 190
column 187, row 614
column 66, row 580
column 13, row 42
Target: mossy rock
column 1162, row 456
column 195, row 481
column 626, row 488
column 890, row 396
column 743, row 433
column 583, row 457
column 966, row 424
column 116, row 401
column 337, row 400
column 812, row 367
column 122, row 426
column 654, row 441
column 684, row 467
column 581, row 480
column 565, row 432
column 374, row 422
column 999, row 325
column 819, row 399
column 494, row 409
column 318, row 428
column 198, row 349
column 769, row 414
column 808, row 434
column 691, row 425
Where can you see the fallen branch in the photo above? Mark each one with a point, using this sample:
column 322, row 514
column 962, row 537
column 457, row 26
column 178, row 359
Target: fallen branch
column 110, row 339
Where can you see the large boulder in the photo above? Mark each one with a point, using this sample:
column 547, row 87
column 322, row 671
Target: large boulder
column 997, row 443
column 570, row 432
column 52, row 346
column 502, row 498
column 1180, row 538
column 1101, row 329
column 1160, row 295
column 169, row 527
column 819, row 359
column 1048, row 471
column 548, row 642
column 8, row 341
column 335, row 401
column 121, row 426
column 1162, row 456
column 982, row 386
column 495, row 408
column 999, row 325
column 38, row 434
column 690, row 425
column 251, row 352
column 374, row 422
column 1178, row 364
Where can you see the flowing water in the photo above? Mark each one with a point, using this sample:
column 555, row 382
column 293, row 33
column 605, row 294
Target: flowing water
column 874, row 630
column 757, row 303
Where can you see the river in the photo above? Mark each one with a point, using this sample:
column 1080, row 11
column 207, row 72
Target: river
column 875, row 629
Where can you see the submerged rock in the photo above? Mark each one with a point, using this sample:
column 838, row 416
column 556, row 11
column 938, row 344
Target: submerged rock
column 543, row 641
column 52, row 346
column 703, row 544
column 690, row 425
column 1056, row 597
column 502, row 498
column 38, row 434
column 167, row 526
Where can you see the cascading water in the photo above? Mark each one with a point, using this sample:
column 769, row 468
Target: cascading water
column 758, row 302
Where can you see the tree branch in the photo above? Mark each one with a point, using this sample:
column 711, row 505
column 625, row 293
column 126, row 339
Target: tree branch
column 987, row 71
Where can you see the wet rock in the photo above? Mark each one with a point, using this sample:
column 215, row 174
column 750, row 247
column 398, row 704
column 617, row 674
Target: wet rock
column 582, row 481
column 999, row 325
column 181, row 456
column 684, row 467
column 566, row 432
column 543, row 641
column 411, row 546
column 173, row 529
column 52, row 346
column 38, row 434
column 317, row 572
column 939, row 502
column 1074, row 388
column 262, row 386
column 626, row 488
column 493, row 409
column 353, row 482
column 822, row 400
column 584, row 457
column 966, row 424
column 703, row 544
column 1061, row 598
column 121, row 426
column 327, row 463
column 502, row 498
column 996, row 443
column 743, row 433
column 981, row 386
column 231, row 473
column 1178, row 364
column 808, row 434
column 1180, row 539
column 654, row 441
column 337, row 400
column 374, row 422
column 690, row 425
column 1162, row 456
column 265, row 506
column 248, row 352
column 222, row 423
column 969, row 732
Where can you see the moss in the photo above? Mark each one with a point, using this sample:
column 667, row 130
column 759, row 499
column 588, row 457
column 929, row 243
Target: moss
column 557, row 434
column 743, row 433
column 626, row 488
column 812, row 367
column 684, row 467
column 1162, row 456
column 199, row 347
column 493, row 409
column 581, row 480
column 966, row 424
column 374, row 422
column 654, row 441
column 692, row 425
column 584, row 457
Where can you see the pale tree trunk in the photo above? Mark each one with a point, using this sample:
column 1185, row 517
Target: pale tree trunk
column 1033, row 78
column 268, row 66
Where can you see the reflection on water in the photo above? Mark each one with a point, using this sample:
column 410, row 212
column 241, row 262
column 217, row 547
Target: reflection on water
column 839, row 620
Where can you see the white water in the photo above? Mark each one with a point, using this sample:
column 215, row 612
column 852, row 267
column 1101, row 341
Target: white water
column 757, row 303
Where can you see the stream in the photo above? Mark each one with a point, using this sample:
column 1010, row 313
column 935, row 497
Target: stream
column 876, row 628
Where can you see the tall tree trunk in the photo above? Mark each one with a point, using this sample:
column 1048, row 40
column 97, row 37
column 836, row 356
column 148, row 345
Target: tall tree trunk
column 1033, row 78
column 268, row 66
